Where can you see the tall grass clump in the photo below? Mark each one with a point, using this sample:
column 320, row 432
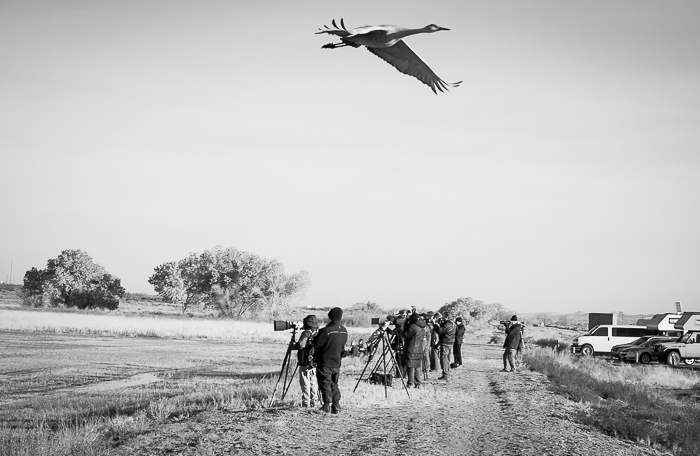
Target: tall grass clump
column 552, row 344
column 624, row 405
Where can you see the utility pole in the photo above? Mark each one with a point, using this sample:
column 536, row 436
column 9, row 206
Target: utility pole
column 10, row 270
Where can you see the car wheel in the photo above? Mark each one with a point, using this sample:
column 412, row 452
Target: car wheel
column 645, row 358
column 673, row 358
column 689, row 361
column 587, row 350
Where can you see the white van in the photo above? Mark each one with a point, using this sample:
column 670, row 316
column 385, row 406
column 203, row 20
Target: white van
column 601, row 338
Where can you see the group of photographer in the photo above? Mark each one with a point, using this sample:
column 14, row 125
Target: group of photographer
column 421, row 342
column 424, row 342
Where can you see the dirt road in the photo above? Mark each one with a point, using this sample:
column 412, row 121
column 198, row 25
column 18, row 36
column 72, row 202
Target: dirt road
column 480, row 411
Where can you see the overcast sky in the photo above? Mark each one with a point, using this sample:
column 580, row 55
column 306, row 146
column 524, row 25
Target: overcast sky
column 563, row 175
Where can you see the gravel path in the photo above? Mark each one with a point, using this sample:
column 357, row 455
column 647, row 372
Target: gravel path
column 481, row 411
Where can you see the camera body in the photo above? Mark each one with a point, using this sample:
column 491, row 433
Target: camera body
column 385, row 321
column 283, row 325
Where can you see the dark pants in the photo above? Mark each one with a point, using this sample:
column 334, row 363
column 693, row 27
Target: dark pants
column 445, row 354
column 400, row 365
column 458, row 354
column 328, row 384
column 508, row 356
column 434, row 358
column 413, row 376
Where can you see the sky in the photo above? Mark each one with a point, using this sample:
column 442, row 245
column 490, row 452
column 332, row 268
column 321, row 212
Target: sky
column 562, row 175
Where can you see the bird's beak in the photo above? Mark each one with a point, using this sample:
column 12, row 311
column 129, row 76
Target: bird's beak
column 442, row 28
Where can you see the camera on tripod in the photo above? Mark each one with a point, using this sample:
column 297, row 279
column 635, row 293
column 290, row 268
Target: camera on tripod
column 282, row 325
column 385, row 321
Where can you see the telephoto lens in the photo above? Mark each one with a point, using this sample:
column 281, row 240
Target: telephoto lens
column 282, row 325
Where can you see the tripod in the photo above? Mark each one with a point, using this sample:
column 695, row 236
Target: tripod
column 386, row 364
column 286, row 367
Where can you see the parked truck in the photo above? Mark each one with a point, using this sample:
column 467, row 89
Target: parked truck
column 687, row 348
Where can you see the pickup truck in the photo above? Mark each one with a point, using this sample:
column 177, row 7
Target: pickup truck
column 686, row 349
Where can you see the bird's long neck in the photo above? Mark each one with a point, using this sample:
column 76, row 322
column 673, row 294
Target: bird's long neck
column 404, row 32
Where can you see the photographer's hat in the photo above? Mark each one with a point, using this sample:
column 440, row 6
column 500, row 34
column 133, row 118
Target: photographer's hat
column 335, row 314
column 514, row 318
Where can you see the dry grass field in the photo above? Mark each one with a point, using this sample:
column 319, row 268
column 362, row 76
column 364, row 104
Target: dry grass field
column 75, row 383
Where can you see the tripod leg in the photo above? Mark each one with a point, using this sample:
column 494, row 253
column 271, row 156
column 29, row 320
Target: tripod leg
column 285, row 366
column 369, row 360
column 287, row 385
column 386, row 394
column 399, row 369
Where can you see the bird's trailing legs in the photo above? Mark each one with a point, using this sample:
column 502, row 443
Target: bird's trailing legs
column 333, row 45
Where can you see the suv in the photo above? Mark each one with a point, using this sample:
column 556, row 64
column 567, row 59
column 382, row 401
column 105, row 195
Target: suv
column 686, row 349
column 601, row 338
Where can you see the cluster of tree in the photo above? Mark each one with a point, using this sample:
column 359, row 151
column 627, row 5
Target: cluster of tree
column 234, row 282
column 71, row 280
column 476, row 311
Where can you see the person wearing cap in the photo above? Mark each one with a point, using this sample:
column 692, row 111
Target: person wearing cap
column 329, row 349
column 446, row 333
column 305, row 361
column 414, row 334
column 513, row 337
column 459, row 337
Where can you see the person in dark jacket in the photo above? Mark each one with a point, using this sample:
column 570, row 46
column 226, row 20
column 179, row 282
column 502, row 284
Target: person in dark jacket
column 329, row 349
column 414, row 334
column 513, row 336
column 446, row 333
column 307, row 370
column 460, row 329
column 398, row 343
column 434, row 340
column 426, row 346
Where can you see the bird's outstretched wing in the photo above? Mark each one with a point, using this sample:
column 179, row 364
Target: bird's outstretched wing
column 401, row 57
column 338, row 31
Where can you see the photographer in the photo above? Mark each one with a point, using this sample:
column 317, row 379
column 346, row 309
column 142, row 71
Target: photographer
column 398, row 343
column 459, row 337
column 434, row 341
column 513, row 338
column 414, row 334
column 329, row 349
column 427, row 337
column 305, row 361
column 446, row 333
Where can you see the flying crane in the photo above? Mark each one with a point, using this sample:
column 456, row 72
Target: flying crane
column 386, row 42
